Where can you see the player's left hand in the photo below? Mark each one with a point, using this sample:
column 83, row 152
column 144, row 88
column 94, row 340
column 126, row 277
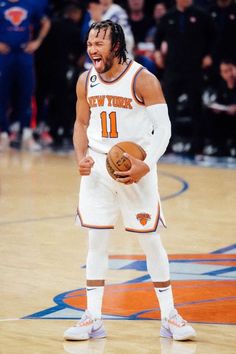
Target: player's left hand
column 135, row 173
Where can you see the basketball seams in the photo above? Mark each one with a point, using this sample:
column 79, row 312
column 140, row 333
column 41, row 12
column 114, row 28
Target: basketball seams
column 111, row 165
column 115, row 155
column 110, row 157
column 142, row 151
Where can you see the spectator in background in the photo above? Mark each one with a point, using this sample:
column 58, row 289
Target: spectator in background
column 107, row 10
column 64, row 51
column 188, row 34
column 17, row 47
column 151, row 4
column 224, row 17
column 159, row 11
column 140, row 25
column 221, row 114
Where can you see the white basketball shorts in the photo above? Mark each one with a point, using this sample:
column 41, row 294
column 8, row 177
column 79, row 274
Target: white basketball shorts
column 102, row 200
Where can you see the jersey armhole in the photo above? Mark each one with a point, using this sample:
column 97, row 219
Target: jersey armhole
column 137, row 99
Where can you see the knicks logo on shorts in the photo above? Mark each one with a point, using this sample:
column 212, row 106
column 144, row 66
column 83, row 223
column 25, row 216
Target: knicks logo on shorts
column 143, row 218
column 16, row 15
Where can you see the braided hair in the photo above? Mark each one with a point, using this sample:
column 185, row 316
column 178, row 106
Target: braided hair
column 117, row 37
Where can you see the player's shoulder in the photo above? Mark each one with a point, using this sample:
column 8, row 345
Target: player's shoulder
column 84, row 76
column 82, row 81
column 146, row 83
column 145, row 77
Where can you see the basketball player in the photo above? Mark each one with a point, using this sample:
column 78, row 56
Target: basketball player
column 119, row 100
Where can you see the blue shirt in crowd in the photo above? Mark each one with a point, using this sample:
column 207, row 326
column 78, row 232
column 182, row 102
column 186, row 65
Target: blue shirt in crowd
column 17, row 20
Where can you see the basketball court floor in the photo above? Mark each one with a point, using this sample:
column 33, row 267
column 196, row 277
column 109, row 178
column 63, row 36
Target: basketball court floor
column 42, row 274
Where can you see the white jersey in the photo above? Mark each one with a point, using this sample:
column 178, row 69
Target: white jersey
column 116, row 113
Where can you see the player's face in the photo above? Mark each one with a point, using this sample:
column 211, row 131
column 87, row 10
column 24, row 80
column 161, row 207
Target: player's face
column 99, row 50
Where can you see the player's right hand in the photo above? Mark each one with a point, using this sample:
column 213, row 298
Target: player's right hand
column 85, row 166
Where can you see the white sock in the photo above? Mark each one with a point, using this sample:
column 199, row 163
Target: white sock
column 94, row 300
column 166, row 302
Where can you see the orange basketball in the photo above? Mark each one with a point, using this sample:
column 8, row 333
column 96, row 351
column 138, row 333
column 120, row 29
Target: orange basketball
column 116, row 161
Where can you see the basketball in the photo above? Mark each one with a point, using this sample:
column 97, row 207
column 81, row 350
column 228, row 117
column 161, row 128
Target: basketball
column 116, row 161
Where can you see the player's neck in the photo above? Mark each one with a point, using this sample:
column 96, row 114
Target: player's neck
column 114, row 72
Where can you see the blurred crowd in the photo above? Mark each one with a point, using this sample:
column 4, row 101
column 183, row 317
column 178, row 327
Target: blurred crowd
column 189, row 45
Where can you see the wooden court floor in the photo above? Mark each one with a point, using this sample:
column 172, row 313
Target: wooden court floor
column 42, row 261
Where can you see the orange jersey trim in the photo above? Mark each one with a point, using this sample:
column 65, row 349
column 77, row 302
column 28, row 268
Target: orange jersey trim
column 90, row 226
column 119, row 77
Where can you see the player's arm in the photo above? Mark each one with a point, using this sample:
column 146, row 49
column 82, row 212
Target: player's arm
column 80, row 138
column 149, row 90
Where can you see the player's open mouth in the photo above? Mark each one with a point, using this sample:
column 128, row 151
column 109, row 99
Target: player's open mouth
column 96, row 60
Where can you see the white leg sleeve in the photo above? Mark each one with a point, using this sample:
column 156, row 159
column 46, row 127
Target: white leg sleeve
column 156, row 257
column 97, row 258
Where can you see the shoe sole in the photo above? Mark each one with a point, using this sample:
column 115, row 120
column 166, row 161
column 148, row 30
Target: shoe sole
column 72, row 338
column 189, row 337
column 99, row 334
column 165, row 333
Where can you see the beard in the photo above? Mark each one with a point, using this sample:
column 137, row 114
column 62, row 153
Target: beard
column 108, row 63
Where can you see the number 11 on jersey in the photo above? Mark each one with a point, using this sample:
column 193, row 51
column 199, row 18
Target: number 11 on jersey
column 109, row 121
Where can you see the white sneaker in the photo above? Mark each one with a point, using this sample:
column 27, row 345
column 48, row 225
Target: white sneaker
column 176, row 327
column 4, row 142
column 86, row 328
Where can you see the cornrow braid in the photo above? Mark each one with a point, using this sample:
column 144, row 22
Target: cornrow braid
column 117, row 37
